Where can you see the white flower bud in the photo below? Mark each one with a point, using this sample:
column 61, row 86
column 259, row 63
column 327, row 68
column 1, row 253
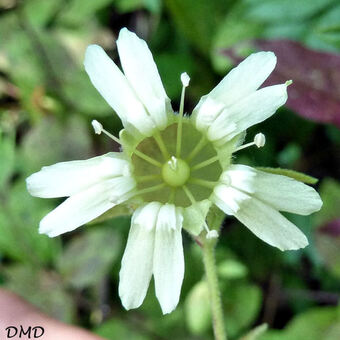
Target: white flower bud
column 260, row 140
column 97, row 127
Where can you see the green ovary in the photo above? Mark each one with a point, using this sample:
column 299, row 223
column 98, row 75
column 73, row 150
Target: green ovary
column 174, row 171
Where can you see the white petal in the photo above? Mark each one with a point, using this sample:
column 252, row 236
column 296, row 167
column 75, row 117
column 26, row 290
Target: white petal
column 137, row 262
column 142, row 74
column 240, row 82
column 113, row 86
column 67, row 178
column 228, row 199
column 85, row 206
column 281, row 192
column 264, row 221
column 168, row 264
column 254, row 109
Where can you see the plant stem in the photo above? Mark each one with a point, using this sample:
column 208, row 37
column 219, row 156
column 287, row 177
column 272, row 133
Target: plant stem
column 215, row 296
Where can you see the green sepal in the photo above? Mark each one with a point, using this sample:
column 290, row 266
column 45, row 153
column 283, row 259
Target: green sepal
column 256, row 332
column 116, row 211
column 215, row 218
column 194, row 217
column 299, row 176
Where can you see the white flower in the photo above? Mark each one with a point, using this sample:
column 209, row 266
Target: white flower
column 174, row 168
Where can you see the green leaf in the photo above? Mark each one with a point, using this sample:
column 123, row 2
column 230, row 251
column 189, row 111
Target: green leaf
column 117, row 211
column 78, row 12
column 273, row 11
column 39, row 12
column 197, row 309
column 330, row 195
column 41, row 288
column 242, row 303
column 89, row 257
column 299, row 176
column 232, row 269
column 255, row 333
column 7, row 156
column 52, row 141
column 19, row 220
column 315, row 324
column 114, row 329
column 191, row 19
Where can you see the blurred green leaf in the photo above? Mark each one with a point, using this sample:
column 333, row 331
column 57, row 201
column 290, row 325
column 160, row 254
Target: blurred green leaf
column 273, row 11
column 79, row 12
column 7, row 156
column 316, row 324
column 197, row 309
column 89, row 257
column 118, row 329
column 231, row 269
column 255, row 333
column 289, row 155
column 116, row 211
column 330, row 194
column 53, row 141
column 329, row 22
column 40, row 12
column 299, row 176
column 242, row 303
column 191, row 19
column 41, row 288
column 19, row 219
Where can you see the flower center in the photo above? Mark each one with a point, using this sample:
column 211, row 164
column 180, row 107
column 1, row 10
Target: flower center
column 175, row 172
column 165, row 175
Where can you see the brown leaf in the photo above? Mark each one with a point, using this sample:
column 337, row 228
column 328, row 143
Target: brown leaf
column 315, row 92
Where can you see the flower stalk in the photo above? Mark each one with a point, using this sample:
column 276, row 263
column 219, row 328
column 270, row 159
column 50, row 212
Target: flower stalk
column 214, row 292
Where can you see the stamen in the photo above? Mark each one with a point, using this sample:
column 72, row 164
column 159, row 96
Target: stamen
column 205, row 163
column 98, row 129
column 185, row 79
column 212, row 234
column 203, row 141
column 147, row 158
column 150, row 189
column 259, row 141
column 159, row 140
column 189, row 194
column 202, row 182
column 147, row 178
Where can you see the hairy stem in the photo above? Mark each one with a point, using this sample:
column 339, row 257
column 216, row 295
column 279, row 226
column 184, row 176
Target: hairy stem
column 215, row 296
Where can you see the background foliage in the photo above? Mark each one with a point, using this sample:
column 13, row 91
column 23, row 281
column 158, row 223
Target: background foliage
column 47, row 103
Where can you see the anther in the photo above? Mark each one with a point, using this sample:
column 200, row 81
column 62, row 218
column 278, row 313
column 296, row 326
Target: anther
column 212, row 234
column 289, row 82
column 97, row 127
column 185, row 79
column 259, row 141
